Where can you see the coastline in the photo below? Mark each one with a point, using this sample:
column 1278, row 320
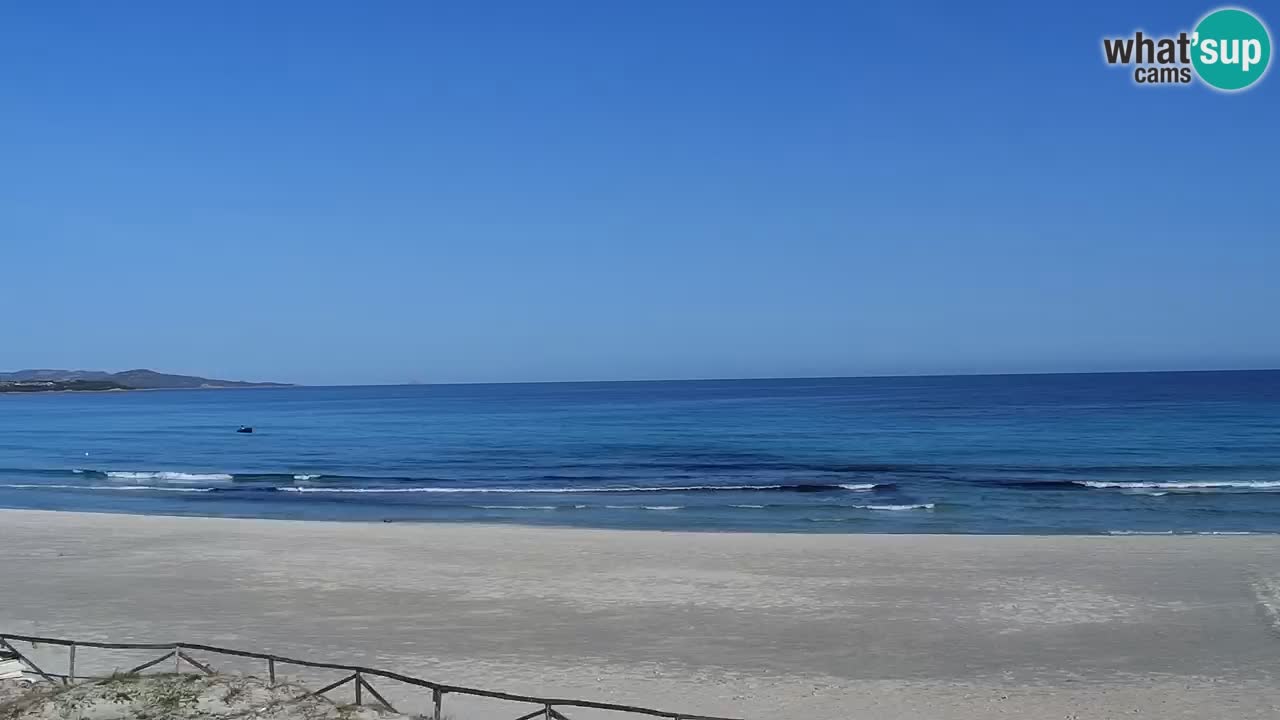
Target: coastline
column 63, row 391
column 755, row 625
column 154, row 389
column 622, row 529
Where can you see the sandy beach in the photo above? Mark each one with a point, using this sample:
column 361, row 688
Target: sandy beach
column 751, row 625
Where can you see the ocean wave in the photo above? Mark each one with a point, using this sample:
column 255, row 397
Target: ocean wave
column 662, row 507
column 590, row 490
column 748, row 507
column 515, row 507
column 239, row 477
column 918, row 506
column 134, row 488
column 756, row 464
column 1183, row 485
column 1184, row 532
column 170, row 476
column 342, row 482
column 1034, row 484
column 373, row 490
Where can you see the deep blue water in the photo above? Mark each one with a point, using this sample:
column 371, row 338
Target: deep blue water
column 1144, row 452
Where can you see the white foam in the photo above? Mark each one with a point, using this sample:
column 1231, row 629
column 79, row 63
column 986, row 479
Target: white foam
column 663, row 507
column 352, row 490
column 171, row 476
column 516, row 507
column 858, row 487
column 1183, row 485
column 1170, row 532
column 537, row 491
column 32, row 486
column 1266, row 591
column 895, row 508
column 305, row 477
column 749, row 507
column 400, row 490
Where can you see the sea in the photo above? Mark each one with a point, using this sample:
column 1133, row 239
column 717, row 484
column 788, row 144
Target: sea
column 1122, row 453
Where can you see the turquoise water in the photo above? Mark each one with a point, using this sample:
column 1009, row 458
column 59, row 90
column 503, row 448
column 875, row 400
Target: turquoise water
column 1142, row 452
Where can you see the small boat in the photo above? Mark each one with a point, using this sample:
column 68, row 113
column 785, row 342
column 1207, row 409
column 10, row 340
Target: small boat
column 245, row 429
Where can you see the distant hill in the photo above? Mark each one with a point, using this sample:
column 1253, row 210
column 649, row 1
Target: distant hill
column 131, row 379
column 31, row 386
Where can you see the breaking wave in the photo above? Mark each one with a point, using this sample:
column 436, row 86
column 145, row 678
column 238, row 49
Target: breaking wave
column 170, row 476
column 1184, row 532
column 37, row 486
column 1183, row 485
column 587, row 490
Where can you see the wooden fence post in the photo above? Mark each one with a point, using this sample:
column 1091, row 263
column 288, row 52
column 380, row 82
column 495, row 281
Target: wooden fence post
column 29, row 662
column 144, row 666
column 331, row 686
column 196, row 664
column 546, row 707
column 377, row 696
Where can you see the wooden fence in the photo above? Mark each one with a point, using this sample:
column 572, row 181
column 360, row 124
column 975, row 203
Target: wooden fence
column 179, row 653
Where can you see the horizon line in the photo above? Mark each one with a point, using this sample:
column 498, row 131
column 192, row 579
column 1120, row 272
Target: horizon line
column 269, row 384
column 791, row 377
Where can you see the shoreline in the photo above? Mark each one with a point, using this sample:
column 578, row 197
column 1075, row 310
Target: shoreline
column 693, row 532
column 156, row 389
column 755, row 625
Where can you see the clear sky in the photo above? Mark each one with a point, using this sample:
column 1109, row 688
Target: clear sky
column 383, row 192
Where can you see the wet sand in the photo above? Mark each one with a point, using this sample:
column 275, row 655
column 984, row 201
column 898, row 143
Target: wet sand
column 751, row 625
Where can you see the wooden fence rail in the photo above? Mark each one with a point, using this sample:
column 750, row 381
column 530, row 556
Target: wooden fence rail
column 547, row 707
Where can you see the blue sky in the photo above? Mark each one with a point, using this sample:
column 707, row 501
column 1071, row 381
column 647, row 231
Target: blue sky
column 338, row 192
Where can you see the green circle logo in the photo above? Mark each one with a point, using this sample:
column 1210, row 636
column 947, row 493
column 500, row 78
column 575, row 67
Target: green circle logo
column 1232, row 49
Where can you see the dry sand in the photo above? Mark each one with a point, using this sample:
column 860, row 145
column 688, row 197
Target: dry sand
column 759, row 626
